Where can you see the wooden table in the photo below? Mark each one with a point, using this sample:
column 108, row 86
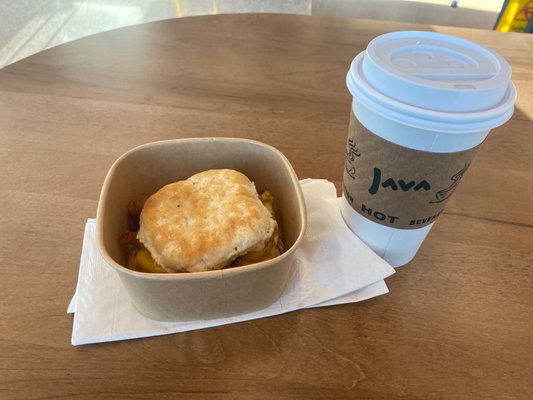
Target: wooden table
column 458, row 321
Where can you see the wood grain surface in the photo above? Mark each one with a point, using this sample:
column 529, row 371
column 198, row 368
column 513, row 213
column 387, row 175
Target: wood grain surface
column 458, row 321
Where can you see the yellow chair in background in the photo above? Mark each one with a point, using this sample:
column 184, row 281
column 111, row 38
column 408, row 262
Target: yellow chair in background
column 515, row 16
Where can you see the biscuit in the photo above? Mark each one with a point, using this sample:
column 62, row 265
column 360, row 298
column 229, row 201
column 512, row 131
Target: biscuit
column 205, row 222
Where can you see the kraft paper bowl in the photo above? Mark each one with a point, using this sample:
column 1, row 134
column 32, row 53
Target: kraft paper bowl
column 200, row 295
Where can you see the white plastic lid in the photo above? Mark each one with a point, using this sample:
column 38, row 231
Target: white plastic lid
column 419, row 78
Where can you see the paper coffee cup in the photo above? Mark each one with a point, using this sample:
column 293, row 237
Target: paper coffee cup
column 423, row 102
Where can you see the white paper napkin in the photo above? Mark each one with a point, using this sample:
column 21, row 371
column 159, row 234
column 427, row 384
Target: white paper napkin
column 332, row 266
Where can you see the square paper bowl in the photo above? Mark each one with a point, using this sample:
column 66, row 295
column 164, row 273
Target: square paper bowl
column 200, row 295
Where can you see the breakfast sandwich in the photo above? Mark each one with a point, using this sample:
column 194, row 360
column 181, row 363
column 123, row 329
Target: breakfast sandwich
column 212, row 220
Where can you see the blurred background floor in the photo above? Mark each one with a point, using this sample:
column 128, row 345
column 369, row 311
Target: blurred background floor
column 30, row 26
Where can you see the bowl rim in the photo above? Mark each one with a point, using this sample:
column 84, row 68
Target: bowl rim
column 214, row 274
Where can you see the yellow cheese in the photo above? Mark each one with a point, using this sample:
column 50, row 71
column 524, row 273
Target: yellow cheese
column 145, row 262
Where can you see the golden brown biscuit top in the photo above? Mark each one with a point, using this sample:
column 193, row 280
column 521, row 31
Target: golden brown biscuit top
column 204, row 222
